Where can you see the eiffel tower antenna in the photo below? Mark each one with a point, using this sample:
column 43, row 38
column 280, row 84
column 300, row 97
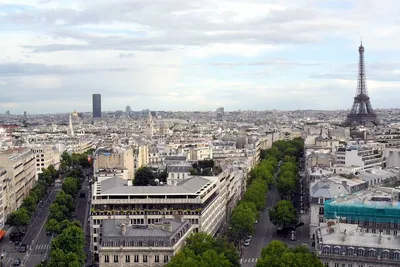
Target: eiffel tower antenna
column 361, row 112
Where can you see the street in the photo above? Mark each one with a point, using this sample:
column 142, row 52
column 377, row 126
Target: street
column 38, row 243
column 82, row 210
column 265, row 231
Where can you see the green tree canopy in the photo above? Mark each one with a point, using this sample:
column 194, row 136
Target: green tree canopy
column 203, row 250
column 71, row 240
column 70, row 186
column 29, row 203
column 242, row 220
column 144, row 176
column 19, row 218
column 277, row 254
column 284, row 214
column 64, row 199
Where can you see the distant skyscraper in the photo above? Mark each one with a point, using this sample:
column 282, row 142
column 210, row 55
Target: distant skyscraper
column 96, row 99
column 25, row 114
column 220, row 110
column 128, row 109
column 7, row 112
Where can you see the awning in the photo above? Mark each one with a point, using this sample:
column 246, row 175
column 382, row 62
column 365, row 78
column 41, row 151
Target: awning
column 2, row 233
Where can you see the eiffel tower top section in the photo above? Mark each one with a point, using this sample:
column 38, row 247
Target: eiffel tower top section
column 361, row 112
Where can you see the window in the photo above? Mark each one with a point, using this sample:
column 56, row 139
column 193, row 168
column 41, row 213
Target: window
column 336, row 264
column 350, row 251
column 106, row 258
column 396, row 255
column 326, row 264
column 144, row 258
column 115, row 258
column 326, row 250
column 371, row 253
column 337, row 250
column 321, row 210
column 156, row 258
column 166, row 258
column 320, row 200
column 136, row 258
column 395, row 232
column 361, row 252
column 127, row 258
column 388, row 232
column 350, row 265
column 385, row 254
column 321, row 219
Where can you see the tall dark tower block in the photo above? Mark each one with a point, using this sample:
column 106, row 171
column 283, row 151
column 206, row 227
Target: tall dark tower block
column 361, row 112
column 96, row 99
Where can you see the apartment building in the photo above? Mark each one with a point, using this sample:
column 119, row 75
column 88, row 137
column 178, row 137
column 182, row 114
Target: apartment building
column 357, row 157
column 340, row 244
column 199, row 200
column 3, row 179
column 134, row 245
column 20, row 165
column 45, row 156
column 373, row 210
column 326, row 189
column 114, row 158
column 140, row 156
column 178, row 172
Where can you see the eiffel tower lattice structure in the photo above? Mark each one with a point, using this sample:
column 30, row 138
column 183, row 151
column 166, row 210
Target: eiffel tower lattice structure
column 361, row 112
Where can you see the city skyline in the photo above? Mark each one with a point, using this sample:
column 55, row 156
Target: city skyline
column 257, row 55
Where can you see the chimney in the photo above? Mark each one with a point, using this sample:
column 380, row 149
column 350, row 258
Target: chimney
column 344, row 235
column 123, row 229
column 380, row 238
column 167, row 226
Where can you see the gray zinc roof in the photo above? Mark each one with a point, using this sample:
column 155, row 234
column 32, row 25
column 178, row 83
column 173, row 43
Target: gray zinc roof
column 327, row 189
column 119, row 186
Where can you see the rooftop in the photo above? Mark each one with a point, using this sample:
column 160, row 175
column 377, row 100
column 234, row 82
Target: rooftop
column 351, row 235
column 190, row 186
column 113, row 228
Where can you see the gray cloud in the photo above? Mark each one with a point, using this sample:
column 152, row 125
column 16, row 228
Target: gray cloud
column 28, row 69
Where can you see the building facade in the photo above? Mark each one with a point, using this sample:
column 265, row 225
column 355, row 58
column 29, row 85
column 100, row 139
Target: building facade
column 21, row 173
column 340, row 244
column 96, row 104
column 45, row 156
column 199, row 200
column 153, row 245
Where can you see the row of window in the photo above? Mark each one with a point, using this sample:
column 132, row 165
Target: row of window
column 347, row 265
column 386, row 254
column 145, row 258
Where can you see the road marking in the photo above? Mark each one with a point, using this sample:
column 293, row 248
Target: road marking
column 248, row 260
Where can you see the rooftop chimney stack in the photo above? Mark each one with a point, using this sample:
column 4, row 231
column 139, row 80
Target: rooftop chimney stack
column 123, row 229
column 167, row 226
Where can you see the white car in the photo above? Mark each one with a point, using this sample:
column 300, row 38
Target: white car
column 246, row 243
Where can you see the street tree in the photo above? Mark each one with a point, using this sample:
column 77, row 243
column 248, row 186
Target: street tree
column 144, row 176
column 29, row 203
column 284, row 214
column 58, row 212
column 71, row 240
column 70, row 186
column 277, row 254
column 64, row 199
column 60, row 258
column 242, row 220
column 19, row 218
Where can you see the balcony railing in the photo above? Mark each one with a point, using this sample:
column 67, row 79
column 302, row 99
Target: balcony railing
column 148, row 201
column 146, row 212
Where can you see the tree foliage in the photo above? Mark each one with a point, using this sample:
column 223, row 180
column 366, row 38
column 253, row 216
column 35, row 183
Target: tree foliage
column 203, row 250
column 19, row 218
column 70, row 186
column 277, row 254
column 144, row 176
column 284, row 214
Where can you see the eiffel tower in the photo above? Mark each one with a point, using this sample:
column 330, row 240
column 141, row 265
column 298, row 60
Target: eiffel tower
column 361, row 112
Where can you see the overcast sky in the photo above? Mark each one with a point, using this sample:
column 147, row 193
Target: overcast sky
column 196, row 55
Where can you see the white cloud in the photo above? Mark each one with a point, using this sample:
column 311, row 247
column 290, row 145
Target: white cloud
column 180, row 54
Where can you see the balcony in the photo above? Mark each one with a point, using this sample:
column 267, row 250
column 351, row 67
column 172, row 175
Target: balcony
column 148, row 201
column 146, row 212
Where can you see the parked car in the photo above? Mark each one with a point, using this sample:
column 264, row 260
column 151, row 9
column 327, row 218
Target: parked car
column 246, row 243
column 22, row 248
column 17, row 262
